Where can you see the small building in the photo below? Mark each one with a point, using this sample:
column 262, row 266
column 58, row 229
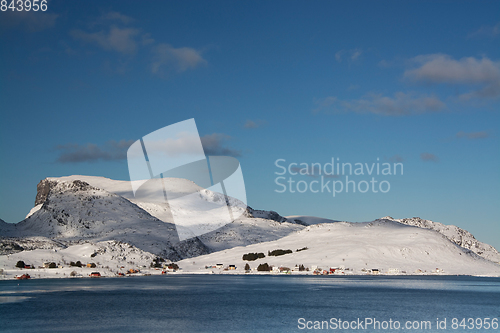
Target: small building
column 232, row 267
column 95, row 274
column 375, row 271
column 220, row 266
column 393, row 271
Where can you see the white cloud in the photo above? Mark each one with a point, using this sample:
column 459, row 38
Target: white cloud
column 128, row 40
column 121, row 40
column 399, row 105
column 213, row 145
column 167, row 57
column 115, row 16
column 487, row 31
column 428, row 157
column 324, row 103
column 353, row 54
column 28, row 20
column 111, row 151
column 396, row 159
column 441, row 68
column 254, row 124
column 338, row 55
column 473, row 135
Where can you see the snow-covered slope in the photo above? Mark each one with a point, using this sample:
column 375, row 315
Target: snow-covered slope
column 5, row 227
column 75, row 210
column 455, row 234
column 110, row 258
column 253, row 226
column 97, row 209
column 14, row 245
column 247, row 231
column 356, row 248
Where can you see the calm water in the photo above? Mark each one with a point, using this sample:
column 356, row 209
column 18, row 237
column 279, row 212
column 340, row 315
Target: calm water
column 214, row 303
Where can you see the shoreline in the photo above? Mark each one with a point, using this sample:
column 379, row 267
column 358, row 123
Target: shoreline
column 55, row 275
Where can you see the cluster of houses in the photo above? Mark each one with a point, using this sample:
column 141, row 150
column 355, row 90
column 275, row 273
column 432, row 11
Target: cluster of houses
column 338, row 270
column 221, row 266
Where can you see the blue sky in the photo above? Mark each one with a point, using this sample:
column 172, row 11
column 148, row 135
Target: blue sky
column 410, row 82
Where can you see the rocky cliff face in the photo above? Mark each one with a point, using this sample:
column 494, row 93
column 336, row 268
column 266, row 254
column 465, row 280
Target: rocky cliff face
column 43, row 190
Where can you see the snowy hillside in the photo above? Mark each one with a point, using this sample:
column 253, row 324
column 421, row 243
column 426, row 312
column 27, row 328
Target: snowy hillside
column 109, row 258
column 97, row 209
column 358, row 248
column 72, row 211
column 458, row 236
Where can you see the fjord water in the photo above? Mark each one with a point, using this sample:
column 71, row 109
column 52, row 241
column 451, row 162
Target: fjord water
column 242, row 303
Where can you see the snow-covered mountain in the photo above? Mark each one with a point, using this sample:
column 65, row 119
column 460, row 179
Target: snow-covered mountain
column 97, row 212
column 455, row 234
column 381, row 246
column 75, row 208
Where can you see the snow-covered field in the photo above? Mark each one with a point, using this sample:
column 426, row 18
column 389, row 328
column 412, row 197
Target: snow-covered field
column 358, row 248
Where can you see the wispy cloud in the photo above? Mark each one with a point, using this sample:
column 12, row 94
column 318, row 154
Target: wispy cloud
column 396, row 159
column 473, row 135
column 254, row 124
column 121, row 40
column 115, row 16
column 111, row 151
column 117, row 33
column 167, row 58
column 213, row 144
column 428, row 157
column 441, row 68
column 400, row 104
column 325, row 104
column 352, row 55
column 28, row 20
column 486, row 31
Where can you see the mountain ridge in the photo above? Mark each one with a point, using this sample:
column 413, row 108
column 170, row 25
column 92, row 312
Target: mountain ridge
column 73, row 210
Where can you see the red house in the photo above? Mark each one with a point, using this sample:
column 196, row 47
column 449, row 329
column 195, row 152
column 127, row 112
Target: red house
column 95, row 274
